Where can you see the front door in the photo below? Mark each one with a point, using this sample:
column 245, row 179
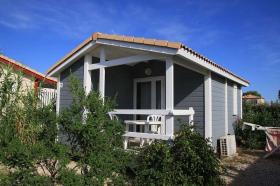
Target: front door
column 149, row 93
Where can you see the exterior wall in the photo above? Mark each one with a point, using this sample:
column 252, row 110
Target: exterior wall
column 239, row 99
column 27, row 81
column 231, row 117
column 218, row 107
column 189, row 92
column 119, row 83
column 77, row 69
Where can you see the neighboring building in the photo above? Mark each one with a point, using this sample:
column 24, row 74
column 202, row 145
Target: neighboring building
column 154, row 77
column 253, row 99
column 31, row 78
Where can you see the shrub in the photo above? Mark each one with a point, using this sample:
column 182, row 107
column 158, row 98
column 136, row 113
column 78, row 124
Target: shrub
column 95, row 139
column 265, row 115
column 27, row 134
column 188, row 160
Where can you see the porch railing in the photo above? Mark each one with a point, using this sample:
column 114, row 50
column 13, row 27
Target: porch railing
column 167, row 114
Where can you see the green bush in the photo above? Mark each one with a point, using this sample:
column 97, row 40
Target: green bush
column 27, row 134
column 95, row 139
column 188, row 160
column 265, row 115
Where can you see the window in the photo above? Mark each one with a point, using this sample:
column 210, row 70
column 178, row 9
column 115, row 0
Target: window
column 234, row 100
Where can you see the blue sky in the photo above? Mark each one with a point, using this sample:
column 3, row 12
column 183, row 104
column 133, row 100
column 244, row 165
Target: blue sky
column 240, row 35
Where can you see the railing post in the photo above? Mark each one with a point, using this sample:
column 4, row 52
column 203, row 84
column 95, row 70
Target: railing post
column 191, row 117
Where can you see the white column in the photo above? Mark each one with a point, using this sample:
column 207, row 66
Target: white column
column 226, row 108
column 87, row 73
column 208, row 105
column 102, row 73
column 58, row 86
column 169, row 95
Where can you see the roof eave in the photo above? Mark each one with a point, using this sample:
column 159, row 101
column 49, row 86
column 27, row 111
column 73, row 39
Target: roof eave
column 211, row 66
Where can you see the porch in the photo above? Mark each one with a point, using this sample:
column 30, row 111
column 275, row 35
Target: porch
column 145, row 84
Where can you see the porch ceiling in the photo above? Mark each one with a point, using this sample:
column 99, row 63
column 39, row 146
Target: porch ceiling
column 113, row 52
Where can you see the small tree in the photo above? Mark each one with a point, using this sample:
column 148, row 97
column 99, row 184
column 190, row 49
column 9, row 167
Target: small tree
column 27, row 134
column 95, row 139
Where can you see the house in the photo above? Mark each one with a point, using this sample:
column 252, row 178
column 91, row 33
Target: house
column 253, row 99
column 31, row 78
column 155, row 77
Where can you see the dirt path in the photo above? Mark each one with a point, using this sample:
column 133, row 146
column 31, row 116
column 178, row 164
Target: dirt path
column 249, row 168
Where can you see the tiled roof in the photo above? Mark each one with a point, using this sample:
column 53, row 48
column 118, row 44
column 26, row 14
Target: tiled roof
column 250, row 96
column 26, row 70
column 139, row 40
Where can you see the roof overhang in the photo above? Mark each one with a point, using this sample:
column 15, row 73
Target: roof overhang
column 142, row 44
column 211, row 66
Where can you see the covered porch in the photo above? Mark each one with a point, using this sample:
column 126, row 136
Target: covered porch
column 143, row 85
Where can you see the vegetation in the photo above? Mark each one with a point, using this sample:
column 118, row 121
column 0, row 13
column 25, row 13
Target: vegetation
column 188, row 160
column 265, row 115
column 83, row 146
column 95, row 139
column 255, row 93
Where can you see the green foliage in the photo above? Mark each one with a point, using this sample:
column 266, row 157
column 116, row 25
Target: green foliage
column 253, row 92
column 27, row 134
column 265, row 115
column 28, row 141
column 95, row 139
column 26, row 178
column 189, row 160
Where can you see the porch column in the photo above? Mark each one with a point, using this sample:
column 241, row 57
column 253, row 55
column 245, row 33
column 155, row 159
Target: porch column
column 87, row 73
column 102, row 73
column 169, row 65
column 208, row 105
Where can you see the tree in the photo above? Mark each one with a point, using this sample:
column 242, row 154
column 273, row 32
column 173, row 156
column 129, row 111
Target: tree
column 253, row 92
column 95, row 139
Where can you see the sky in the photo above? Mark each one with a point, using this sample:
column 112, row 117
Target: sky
column 243, row 36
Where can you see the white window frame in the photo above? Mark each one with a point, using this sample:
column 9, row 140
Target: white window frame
column 153, row 81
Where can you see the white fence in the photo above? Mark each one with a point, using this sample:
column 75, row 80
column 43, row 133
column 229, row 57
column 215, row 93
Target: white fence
column 47, row 96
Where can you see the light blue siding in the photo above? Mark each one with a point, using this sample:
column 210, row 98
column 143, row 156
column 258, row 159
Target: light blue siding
column 218, row 107
column 231, row 117
column 189, row 92
column 77, row 69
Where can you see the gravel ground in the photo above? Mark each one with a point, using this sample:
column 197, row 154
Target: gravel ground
column 250, row 168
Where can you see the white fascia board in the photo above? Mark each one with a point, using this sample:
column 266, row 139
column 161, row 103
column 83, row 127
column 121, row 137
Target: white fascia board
column 195, row 59
column 81, row 52
column 136, row 46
